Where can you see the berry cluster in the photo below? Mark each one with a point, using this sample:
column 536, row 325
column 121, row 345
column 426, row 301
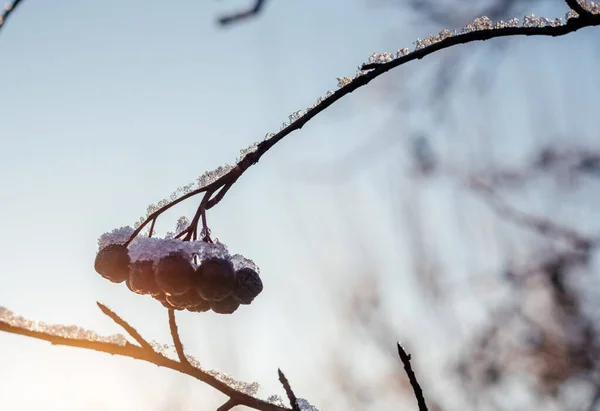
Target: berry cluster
column 166, row 269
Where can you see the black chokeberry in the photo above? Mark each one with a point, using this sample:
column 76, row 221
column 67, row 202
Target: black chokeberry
column 215, row 279
column 225, row 306
column 174, row 274
column 141, row 278
column 190, row 298
column 248, row 285
column 112, row 263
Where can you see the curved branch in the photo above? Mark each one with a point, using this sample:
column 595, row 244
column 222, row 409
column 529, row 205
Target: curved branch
column 373, row 71
column 176, row 338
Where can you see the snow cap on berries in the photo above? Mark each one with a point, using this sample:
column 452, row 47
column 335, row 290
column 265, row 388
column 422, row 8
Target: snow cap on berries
column 116, row 236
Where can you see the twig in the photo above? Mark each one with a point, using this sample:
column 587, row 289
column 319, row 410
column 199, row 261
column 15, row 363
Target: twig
column 228, row 405
column 405, row 358
column 242, row 15
column 542, row 225
column 140, row 353
column 575, row 6
column 125, row 325
column 8, row 10
column 176, row 339
column 288, row 390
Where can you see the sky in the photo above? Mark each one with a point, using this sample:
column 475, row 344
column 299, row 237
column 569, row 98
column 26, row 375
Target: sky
column 107, row 107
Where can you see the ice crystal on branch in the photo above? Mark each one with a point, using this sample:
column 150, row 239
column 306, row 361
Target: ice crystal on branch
column 239, row 261
column 211, row 176
column 58, row 330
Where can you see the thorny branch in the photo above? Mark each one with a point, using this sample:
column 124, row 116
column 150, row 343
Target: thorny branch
column 8, row 10
column 372, row 71
column 147, row 354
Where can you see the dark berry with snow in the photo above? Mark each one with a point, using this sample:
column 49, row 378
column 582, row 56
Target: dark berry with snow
column 174, row 274
column 215, row 279
column 141, row 278
column 225, row 306
column 112, row 263
column 248, row 285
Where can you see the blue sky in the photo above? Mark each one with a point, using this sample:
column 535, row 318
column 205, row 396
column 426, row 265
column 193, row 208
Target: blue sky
column 109, row 106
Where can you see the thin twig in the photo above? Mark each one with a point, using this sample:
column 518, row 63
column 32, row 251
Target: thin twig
column 140, row 353
column 8, row 10
column 228, row 405
column 242, row 15
column 176, row 339
column 405, row 358
column 542, row 225
column 288, row 390
column 125, row 325
column 577, row 7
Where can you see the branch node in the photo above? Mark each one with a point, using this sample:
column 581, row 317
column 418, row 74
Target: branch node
column 126, row 326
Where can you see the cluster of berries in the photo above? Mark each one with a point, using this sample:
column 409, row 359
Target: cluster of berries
column 169, row 274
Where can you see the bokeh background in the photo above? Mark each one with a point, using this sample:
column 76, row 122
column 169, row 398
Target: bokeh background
column 367, row 224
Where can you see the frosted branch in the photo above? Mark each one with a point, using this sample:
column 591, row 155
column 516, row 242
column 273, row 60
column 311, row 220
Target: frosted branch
column 9, row 8
column 239, row 392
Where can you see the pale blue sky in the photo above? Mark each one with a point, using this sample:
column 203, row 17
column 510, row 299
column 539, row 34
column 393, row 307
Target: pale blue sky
column 108, row 106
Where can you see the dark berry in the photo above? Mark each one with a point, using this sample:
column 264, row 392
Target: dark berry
column 248, row 285
column 141, row 278
column 201, row 307
column 215, row 279
column 190, row 298
column 226, row 306
column 112, row 263
column 174, row 275
column 162, row 298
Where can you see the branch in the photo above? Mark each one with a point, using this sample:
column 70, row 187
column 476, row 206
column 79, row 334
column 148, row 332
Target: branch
column 371, row 71
column 141, row 353
column 405, row 358
column 8, row 9
column 125, row 325
column 228, row 405
column 176, row 339
column 582, row 11
column 289, row 392
column 542, row 225
column 242, row 15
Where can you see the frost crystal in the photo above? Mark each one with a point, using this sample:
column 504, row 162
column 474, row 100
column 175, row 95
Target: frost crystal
column 244, row 387
column 269, row 136
column 213, row 175
column 57, row 330
column 344, row 81
column 571, row 14
column 239, row 261
column 305, row 405
column 284, row 125
column 402, row 52
column 116, row 236
column 296, row 116
column 182, row 224
column 380, row 58
column 480, row 23
column 276, row 400
column 250, row 149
